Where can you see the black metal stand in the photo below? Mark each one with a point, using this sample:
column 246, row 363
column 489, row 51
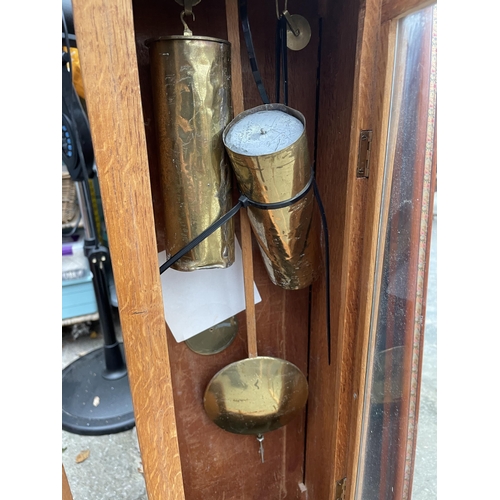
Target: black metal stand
column 96, row 396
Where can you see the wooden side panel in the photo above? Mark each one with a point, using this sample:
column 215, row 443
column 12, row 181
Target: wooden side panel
column 376, row 80
column 376, row 87
column 217, row 464
column 66, row 490
column 331, row 393
column 105, row 33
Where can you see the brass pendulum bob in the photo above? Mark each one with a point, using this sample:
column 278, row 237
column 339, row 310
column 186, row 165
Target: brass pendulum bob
column 258, row 394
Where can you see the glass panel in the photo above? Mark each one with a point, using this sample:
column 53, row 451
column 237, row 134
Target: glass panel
column 394, row 361
column 425, row 476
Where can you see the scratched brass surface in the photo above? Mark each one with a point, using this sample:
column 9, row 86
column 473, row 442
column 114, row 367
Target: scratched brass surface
column 191, row 83
column 256, row 395
column 287, row 237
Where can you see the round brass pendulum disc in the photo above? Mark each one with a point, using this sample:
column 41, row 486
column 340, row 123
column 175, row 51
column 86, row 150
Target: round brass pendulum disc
column 214, row 339
column 256, row 395
column 298, row 42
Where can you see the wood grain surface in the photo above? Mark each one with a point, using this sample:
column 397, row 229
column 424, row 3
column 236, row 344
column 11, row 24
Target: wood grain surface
column 217, row 464
column 247, row 255
column 105, row 35
column 422, row 88
column 330, row 398
column 167, row 379
column 233, row 36
column 66, row 490
column 394, row 9
column 379, row 36
column 377, row 86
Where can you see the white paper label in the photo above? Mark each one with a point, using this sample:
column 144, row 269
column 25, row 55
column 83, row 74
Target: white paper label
column 197, row 300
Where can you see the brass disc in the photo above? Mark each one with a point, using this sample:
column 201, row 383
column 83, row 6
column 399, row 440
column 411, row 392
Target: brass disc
column 256, row 395
column 215, row 339
column 298, row 42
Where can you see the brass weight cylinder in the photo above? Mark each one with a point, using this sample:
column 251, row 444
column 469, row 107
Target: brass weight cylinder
column 191, row 80
column 287, row 237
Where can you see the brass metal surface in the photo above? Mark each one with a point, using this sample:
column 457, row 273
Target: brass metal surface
column 287, row 237
column 214, row 339
column 191, row 83
column 256, row 395
column 298, row 31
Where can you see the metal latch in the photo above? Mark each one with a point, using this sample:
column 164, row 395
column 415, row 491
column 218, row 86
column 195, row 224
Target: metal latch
column 340, row 489
column 365, row 142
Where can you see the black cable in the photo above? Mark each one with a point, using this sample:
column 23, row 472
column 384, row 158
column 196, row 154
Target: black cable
column 281, row 60
column 277, row 57
column 282, row 64
column 251, row 51
column 327, row 265
column 284, row 56
column 243, row 202
column 205, row 234
column 316, row 192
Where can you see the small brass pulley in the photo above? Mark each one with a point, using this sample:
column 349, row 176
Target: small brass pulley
column 298, row 29
column 188, row 10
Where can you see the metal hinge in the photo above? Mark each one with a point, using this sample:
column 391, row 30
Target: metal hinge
column 340, row 489
column 365, row 142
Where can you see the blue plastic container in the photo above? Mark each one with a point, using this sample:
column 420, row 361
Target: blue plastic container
column 78, row 297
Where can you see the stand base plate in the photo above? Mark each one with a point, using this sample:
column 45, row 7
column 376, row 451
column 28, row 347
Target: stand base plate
column 91, row 404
